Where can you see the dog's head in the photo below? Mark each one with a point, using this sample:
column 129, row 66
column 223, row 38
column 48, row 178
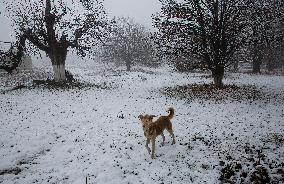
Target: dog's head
column 146, row 120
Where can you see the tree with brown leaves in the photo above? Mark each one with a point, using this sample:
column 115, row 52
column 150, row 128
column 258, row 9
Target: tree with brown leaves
column 209, row 30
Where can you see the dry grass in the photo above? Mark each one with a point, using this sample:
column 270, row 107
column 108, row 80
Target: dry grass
column 192, row 92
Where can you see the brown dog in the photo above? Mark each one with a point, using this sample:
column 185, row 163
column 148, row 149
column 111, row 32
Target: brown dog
column 153, row 129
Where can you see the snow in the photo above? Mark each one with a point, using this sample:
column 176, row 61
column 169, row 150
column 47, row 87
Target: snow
column 66, row 136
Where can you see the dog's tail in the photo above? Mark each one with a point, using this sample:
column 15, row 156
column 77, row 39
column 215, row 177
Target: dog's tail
column 171, row 112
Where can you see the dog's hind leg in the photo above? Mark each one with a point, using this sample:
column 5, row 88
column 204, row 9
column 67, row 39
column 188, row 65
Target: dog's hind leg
column 172, row 134
column 163, row 136
column 147, row 147
column 153, row 148
column 170, row 130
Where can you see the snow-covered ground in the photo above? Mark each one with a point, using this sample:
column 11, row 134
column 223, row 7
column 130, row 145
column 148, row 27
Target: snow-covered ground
column 70, row 136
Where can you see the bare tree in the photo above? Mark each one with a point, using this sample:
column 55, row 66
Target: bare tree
column 209, row 30
column 57, row 26
column 130, row 43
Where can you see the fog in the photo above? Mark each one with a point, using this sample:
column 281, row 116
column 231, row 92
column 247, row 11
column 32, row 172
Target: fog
column 140, row 11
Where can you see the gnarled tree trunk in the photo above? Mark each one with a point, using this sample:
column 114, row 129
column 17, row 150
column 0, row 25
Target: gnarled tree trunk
column 58, row 57
column 218, row 75
column 59, row 72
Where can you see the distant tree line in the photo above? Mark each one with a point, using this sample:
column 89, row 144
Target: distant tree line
column 206, row 34
column 266, row 21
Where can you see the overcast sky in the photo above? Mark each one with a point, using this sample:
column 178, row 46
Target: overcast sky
column 5, row 28
column 140, row 10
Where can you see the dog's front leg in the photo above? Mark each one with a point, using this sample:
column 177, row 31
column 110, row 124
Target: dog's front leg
column 173, row 136
column 153, row 148
column 147, row 147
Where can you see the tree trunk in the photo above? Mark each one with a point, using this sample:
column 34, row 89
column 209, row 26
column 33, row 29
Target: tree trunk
column 59, row 72
column 128, row 65
column 270, row 63
column 58, row 57
column 218, row 75
column 236, row 65
column 257, row 59
column 256, row 66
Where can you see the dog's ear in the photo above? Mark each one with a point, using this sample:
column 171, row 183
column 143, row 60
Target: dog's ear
column 140, row 116
column 152, row 116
